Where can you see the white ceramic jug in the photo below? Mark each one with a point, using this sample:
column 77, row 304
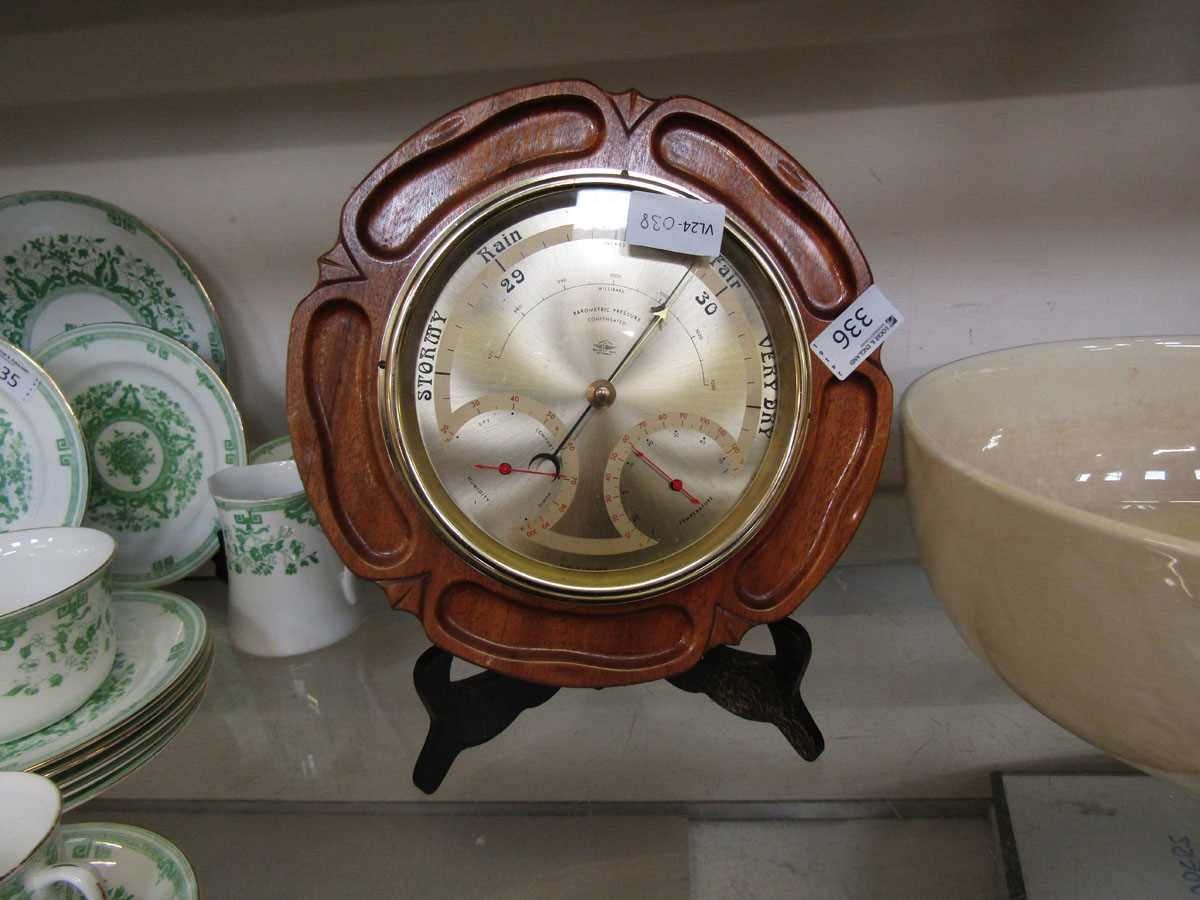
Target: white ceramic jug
column 288, row 591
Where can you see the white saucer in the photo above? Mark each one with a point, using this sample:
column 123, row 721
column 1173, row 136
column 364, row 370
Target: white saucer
column 68, row 260
column 157, row 422
column 43, row 464
column 159, row 636
column 132, row 863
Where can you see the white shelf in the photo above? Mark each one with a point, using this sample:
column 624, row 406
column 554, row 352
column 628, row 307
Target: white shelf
column 908, row 713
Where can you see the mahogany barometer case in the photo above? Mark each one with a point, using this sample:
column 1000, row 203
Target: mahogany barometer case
column 583, row 458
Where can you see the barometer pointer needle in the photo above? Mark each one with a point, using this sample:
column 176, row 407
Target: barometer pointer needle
column 658, row 317
column 674, row 483
column 507, row 469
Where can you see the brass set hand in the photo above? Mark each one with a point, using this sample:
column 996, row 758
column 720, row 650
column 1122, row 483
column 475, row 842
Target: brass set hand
column 603, row 392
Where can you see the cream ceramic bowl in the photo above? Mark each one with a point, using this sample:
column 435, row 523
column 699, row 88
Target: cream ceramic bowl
column 56, row 633
column 1055, row 492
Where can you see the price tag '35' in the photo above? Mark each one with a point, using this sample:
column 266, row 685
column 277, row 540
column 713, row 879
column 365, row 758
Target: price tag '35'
column 17, row 379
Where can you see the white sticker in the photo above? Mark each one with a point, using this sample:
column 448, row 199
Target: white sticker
column 675, row 223
column 16, row 378
column 856, row 333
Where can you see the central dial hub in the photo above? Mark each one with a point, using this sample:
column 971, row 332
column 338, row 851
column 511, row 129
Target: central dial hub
column 601, row 393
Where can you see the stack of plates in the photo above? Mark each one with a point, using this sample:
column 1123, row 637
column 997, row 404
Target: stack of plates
column 113, row 414
column 164, row 656
column 113, row 411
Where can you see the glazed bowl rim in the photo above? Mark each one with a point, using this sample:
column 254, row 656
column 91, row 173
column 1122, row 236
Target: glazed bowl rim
column 49, row 600
column 1073, row 515
column 268, row 498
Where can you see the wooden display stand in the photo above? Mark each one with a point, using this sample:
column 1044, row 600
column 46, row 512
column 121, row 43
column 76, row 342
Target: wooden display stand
column 335, row 354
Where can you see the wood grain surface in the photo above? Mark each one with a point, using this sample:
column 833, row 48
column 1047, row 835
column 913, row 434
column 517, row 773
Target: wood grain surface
column 334, row 354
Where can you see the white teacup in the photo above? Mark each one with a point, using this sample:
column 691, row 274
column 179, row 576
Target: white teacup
column 288, row 591
column 31, row 844
column 56, row 633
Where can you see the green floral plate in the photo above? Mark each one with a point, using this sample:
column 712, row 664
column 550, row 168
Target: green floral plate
column 43, row 466
column 157, row 422
column 132, row 863
column 164, row 726
column 68, row 260
column 109, row 776
column 159, row 636
column 138, row 731
column 275, row 450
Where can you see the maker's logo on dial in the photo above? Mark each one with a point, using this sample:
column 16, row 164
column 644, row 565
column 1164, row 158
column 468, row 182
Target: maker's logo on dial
column 604, row 347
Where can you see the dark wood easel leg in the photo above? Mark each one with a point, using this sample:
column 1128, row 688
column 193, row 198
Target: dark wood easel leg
column 753, row 686
column 464, row 713
column 762, row 688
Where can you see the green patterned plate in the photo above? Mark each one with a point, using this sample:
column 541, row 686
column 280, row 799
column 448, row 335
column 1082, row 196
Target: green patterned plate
column 157, row 422
column 165, row 724
column 275, row 450
column 68, row 260
column 159, row 636
column 106, row 778
column 139, row 730
column 132, row 863
column 43, row 468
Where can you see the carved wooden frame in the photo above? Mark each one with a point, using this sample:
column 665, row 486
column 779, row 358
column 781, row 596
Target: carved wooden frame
column 379, row 528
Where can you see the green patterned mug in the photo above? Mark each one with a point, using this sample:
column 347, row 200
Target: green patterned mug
column 56, row 632
column 288, row 591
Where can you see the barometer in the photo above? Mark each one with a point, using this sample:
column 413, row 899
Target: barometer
column 581, row 445
column 583, row 416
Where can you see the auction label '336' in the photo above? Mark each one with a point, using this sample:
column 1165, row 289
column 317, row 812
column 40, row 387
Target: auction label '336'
column 857, row 333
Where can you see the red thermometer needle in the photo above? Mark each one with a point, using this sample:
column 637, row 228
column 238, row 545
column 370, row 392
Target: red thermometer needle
column 674, row 483
column 506, row 469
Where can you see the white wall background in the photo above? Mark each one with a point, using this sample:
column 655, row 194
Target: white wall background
column 1015, row 172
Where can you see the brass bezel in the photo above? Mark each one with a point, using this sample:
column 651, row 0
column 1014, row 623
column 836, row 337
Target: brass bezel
column 405, row 445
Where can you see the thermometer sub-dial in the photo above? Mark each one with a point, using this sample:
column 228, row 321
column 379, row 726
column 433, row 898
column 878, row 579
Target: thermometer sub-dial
column 492, row 466
column 668, row 475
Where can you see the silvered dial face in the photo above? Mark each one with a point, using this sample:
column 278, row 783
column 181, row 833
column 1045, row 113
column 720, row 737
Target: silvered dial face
column 587, row 417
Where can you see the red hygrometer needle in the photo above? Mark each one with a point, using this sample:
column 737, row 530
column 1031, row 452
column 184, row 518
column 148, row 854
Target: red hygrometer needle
column 674, row 483
column 506, row 469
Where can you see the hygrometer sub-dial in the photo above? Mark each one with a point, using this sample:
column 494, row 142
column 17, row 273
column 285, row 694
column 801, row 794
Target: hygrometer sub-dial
column 492, row 445
column 665, row 475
